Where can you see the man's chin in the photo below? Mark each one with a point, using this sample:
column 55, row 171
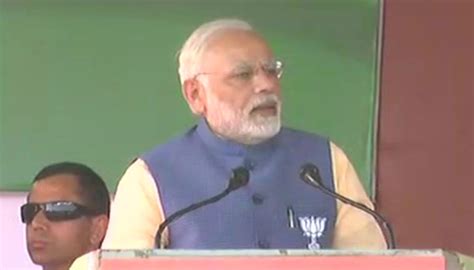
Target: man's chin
column 43, row 256
column 40, row 259
column 263, row 120
column 262, row 132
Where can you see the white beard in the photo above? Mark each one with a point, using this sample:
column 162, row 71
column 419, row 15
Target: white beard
column 238, row 125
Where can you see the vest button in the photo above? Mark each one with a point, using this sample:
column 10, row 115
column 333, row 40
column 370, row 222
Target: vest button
column 257, row 198
column 263, row 244
column 249, row 165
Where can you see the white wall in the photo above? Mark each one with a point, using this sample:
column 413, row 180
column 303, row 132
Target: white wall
column 13, row 254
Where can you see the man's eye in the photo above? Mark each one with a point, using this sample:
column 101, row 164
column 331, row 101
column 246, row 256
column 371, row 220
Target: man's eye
column 273, row 71
column 243, row 75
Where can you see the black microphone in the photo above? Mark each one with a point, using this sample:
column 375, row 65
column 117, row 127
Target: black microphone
column 239, row 178
column 310, row 174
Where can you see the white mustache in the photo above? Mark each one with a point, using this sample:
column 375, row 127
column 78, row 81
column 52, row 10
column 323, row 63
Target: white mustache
column 263, row 100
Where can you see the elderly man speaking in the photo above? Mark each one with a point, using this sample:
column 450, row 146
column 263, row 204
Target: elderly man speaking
column 231, row 81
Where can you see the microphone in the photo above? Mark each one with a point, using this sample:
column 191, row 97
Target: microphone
column 310, row 174
column 239, row 178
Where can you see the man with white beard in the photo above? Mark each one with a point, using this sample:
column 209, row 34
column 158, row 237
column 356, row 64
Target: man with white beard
column 231, row 81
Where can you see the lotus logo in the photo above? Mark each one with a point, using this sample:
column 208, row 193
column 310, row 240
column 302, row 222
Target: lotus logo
column 313, row 228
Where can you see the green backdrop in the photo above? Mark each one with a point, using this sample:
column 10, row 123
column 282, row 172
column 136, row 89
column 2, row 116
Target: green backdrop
column 96, row 81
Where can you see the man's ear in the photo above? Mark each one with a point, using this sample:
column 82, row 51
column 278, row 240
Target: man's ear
column 99, row 228
column 194, row 93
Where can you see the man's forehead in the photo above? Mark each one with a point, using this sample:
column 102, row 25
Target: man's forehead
column 53, row 188
column 251, row 63
column 237, row 42
column 228, row 56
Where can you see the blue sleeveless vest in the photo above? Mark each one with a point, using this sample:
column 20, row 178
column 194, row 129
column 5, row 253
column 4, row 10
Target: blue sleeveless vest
column 274, row 210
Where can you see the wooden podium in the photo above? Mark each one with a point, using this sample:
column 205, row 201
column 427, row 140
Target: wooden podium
column 281, row 260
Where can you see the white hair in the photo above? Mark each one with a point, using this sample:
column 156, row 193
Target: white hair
column 189, row 57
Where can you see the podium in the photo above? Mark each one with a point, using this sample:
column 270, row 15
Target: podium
column 282, row 260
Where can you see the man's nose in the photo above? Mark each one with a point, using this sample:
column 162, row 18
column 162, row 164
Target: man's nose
column 39, row 221
column 264, row 82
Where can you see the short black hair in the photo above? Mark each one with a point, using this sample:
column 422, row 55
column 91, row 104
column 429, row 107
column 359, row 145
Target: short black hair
column 92, row 188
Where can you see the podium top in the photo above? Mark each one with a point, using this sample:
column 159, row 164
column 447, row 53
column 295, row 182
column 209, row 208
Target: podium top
column 148, row 253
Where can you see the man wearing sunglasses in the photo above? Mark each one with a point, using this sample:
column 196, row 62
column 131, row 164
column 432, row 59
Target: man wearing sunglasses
column 231, row 81
column 66, row 214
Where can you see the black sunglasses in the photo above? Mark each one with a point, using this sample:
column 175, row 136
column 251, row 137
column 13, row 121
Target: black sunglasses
column 55, row 211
